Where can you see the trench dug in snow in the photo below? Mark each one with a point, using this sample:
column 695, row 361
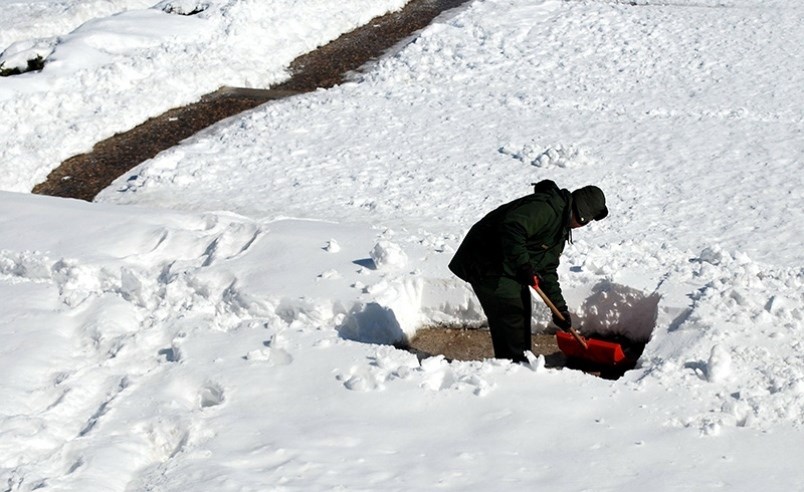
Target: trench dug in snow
column 444, row 318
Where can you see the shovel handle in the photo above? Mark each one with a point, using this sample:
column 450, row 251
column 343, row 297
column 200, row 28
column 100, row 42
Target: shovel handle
column 558, row 314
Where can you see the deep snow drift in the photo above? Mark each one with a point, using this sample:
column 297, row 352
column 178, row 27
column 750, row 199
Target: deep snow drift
column 238, row 337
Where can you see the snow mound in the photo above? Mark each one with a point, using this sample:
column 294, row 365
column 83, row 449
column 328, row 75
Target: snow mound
column 559, row 156
column 182, row 7
column 388, row 255
column 20, row 53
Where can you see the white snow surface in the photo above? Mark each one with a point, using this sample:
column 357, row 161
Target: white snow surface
column 223, row 317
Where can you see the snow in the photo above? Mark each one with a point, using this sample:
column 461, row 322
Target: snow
column 143, row 60
column 223, row 317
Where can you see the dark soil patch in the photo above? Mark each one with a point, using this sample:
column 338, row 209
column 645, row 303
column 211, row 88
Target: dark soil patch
column 84, row 176
column 465, row 344
column 475, row 344
column 328, row 65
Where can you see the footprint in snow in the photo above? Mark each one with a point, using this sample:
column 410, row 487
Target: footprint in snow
column 211, row 395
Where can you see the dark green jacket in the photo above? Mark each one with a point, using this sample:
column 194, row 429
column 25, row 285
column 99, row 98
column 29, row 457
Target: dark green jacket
column 531, row 229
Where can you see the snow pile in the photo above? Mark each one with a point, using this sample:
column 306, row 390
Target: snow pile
column 388, row 255
column 718, row 367
column 559, row 156
column 182, row 7
column 23, row 20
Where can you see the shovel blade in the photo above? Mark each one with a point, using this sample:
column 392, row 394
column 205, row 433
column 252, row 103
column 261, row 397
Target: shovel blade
column 597, row 351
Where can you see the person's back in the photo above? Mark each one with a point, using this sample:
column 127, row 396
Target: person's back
column 492, row 245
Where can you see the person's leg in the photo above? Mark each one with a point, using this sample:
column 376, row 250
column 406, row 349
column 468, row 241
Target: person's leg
column 507, row 306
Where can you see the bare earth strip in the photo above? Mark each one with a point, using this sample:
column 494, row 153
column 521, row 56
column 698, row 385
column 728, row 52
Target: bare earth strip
column 475, row 344
column 84, row 176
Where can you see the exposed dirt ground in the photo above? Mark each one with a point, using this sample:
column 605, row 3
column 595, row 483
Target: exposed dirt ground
column 475, row 344
column 84, row 176
column 465, row 344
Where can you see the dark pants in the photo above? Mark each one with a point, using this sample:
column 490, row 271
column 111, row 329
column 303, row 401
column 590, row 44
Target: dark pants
column 507, row 305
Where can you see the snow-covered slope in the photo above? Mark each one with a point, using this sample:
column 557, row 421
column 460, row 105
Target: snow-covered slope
column 664, row 107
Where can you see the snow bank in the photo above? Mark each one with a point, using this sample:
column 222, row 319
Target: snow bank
column 126, row 63
column 40, row 19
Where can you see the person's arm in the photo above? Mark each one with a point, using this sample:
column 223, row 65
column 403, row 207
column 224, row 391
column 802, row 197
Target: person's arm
column 550, row 285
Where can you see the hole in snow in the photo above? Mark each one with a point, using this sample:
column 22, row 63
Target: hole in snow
column 462, row 342
column 211, row 395
column 610, row 312
column 456, row 342
column 171, row 354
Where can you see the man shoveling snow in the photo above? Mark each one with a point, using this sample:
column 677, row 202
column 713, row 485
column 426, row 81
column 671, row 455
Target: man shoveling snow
column 516, row 246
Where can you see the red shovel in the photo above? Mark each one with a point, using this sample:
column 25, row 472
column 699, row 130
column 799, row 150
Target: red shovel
column 574, row 345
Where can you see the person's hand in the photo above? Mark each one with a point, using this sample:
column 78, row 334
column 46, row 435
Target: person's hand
column 564, row 324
